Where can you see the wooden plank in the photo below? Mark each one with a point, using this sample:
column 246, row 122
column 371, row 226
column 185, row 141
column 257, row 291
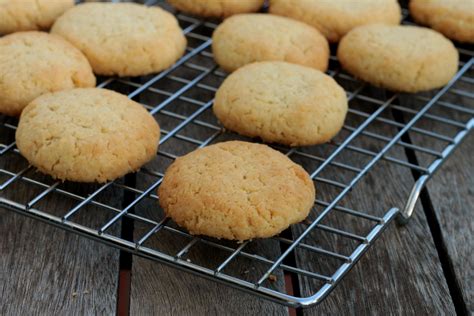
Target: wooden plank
column 401, row 274
column 50, row 271
column 395, row 274
column 450, row 194
column 46, row 270
column 159, row 289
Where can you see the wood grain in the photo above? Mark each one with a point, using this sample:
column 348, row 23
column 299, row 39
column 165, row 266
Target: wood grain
column 401, row 273
column 451, row 194
column 162, row 290
column 45, row 270
column 49, row 271
column 159, row 289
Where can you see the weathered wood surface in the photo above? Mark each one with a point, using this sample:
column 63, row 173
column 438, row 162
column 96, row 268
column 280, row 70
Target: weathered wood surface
column 157, row 289
column 401, row 273
column 49, row 271
column 160, row 290
column 45, row 270
column 451, row 194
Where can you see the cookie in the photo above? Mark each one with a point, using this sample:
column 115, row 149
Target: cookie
column 246, row 38
column 30, row 15
column 33, row 63
column 453, row 18
column 124, row 39
column 399, row 58
column 236, row 190
column 217, row 8
column 86, row 135
column 281, row 102
column 334, row 18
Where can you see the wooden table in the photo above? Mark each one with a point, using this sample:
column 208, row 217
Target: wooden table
column 424, row 268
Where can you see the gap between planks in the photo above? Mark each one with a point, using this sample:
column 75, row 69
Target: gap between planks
column 434, row 226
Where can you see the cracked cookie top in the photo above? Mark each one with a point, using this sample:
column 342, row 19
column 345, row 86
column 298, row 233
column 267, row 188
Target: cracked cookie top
column 453, row 18
column 399, row 58
column 30, row 15
column 34, row 63
column 246, row 38
column 216, row 8
column 334, row 18
column 281, row 102
column 87, row 135
column 236, row 190
column 124, row 39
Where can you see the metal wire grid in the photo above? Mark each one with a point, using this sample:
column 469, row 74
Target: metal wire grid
column 180, row 98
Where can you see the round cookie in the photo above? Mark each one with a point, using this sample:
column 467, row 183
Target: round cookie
column 217, row 8
column 87, row 135
column 453, row 18
column 334, row 18
column 281, row 102
column 399, row 58
column 33, row 63
column 30, row 15
column 124, row 39
column 236, row 190
column 246, row 38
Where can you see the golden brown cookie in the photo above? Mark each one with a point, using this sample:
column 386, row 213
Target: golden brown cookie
column 124, row 39
column 87, row 135
column 236, row 190
column 34, row 63
column 281, row 102
column 453, row 18
column 334, row 18
column 399, row 58
column 217, row 8
column 246, row 38
column 30, row 15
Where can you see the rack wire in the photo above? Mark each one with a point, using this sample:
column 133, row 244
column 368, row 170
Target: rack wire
column 318, row 252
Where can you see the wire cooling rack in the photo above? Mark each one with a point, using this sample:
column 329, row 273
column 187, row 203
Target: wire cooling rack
column 125, row 213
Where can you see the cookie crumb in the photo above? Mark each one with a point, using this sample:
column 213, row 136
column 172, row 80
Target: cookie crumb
column 272, row 278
